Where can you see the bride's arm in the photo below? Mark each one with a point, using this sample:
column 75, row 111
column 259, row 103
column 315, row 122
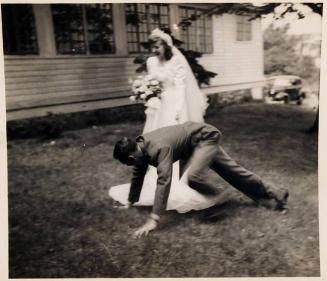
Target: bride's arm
column 180, row 85
column 150, row 65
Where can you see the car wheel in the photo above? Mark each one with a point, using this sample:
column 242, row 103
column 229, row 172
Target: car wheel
column 299, row 101
column 286, row 99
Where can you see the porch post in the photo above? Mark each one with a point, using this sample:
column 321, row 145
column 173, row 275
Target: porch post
column 44, row 30
column 120, row 29
column 174, row 20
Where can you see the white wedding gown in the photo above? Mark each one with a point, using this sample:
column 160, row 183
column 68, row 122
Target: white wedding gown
column 180, row 91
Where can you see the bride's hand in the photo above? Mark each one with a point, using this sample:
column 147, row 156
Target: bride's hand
column 150, row 224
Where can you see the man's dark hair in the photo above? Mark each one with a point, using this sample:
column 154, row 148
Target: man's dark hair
column 124, row 148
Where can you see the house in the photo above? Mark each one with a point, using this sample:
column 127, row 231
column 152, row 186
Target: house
column 61, row 58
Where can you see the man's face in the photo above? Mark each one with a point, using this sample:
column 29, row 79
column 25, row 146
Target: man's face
column 135, row 159
column 158, row 49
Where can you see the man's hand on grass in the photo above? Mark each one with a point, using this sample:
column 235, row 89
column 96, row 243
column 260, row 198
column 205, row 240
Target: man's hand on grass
column 150, row 225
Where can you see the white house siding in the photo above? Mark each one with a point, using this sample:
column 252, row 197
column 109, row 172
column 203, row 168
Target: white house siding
column 36, row 86
column 239, row 64
column 215, row 62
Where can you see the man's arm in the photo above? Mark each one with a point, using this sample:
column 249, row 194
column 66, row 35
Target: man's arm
column 137, row 182
column 164, row 170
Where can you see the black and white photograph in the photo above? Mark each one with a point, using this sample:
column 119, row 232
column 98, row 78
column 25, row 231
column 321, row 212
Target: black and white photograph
column 162, row 139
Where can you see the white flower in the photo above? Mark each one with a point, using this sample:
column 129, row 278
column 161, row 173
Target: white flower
column 175, row 26
column 145, row 86
column 132, row 98
column 155, row 88
column 142, row 89
column 154, row 82
column 137, row 83
column 147, row 78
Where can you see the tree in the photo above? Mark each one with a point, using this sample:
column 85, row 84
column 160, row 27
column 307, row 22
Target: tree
column 279, row 50
column 282, row 54
column 278, row 10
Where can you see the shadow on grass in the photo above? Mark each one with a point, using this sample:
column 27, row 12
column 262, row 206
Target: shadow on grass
column 215, row 214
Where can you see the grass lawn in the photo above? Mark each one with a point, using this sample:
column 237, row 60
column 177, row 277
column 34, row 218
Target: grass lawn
column 63, row 224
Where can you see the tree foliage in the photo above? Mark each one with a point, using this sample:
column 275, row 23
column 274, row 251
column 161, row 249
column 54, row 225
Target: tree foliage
column 278, row 10
column 279, row 51
column 282, row 56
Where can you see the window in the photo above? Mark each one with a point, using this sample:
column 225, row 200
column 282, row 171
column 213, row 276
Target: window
column 83, row 29
column 197, row 36
column 243, row 29
column 141, row 19
column 100, row 29
column 19, row 33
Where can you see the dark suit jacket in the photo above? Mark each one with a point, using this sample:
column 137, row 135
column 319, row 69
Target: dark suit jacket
column 161, row 148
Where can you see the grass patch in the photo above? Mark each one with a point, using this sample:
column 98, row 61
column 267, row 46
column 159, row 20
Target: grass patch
column 63, row 224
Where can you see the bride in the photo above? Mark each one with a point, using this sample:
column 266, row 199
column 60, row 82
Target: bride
column 181, row 101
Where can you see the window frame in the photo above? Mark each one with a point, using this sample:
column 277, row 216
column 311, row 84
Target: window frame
column 208, row 46
column 145, row 30
column 35, row 42
column 243, row 29
column 85, row 29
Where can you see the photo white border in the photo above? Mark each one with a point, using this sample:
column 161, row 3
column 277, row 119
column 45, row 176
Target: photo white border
column 322, row 170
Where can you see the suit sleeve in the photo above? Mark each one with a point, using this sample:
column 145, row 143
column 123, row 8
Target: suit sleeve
column 164, row 170
column 137, row 182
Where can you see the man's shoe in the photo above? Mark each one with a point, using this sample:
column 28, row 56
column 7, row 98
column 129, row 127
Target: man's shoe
column 282, row 200
column 276, row 202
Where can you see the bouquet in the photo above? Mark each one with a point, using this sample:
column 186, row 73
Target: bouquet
column 144, row 88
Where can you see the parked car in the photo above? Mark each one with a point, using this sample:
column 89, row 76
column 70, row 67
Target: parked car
column 286, row 88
